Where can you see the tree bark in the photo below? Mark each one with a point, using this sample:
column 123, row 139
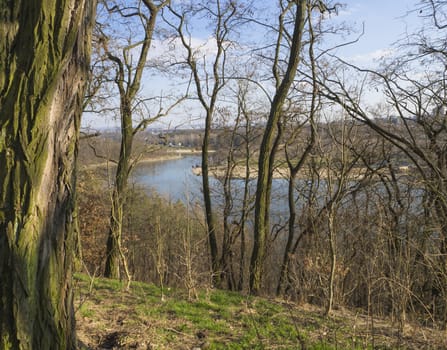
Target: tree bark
column 267, row 156
column 44, row 52
column 209, row 212
column 114, row 251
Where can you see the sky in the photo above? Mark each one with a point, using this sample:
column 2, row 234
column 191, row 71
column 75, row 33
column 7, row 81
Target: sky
column 384, row 21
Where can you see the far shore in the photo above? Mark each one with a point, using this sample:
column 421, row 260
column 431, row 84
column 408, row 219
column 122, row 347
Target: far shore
column 238, row 172
column 173, row 154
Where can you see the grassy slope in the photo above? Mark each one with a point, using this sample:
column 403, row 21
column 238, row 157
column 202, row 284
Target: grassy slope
column 110, row 317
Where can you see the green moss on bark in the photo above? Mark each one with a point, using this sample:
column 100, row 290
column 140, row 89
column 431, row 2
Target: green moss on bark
column 40, row 96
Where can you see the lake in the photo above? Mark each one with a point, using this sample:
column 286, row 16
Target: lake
column 174, row 180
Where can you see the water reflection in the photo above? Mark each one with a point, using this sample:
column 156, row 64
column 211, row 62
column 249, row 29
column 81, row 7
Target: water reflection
column 172, row 178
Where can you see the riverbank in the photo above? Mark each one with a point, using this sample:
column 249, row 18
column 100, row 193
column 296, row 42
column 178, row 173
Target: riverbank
column 240, row 172
column 171, row 154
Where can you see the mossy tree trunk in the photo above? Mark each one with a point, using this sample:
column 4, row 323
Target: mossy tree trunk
column 270, row 139
column 44, row 51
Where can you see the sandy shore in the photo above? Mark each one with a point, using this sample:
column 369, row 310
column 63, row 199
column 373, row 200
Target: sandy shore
column 239, row 172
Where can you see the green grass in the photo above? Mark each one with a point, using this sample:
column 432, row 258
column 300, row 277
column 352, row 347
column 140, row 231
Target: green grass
column 217, row 319
column 86, row 311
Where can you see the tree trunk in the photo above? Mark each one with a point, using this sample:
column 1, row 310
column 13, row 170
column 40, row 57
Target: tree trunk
column 292, row 243
column 210, row 219
column 44, row 52
column 114, row 252
column 333, row 256
column 284, row 272
column 267, row 156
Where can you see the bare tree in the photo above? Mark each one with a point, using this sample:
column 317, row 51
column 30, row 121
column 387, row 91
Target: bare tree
column 270, row 138
column 414, row 88
column 301, row 122
column 237, row 177
column 127, row 78
column 208, row 84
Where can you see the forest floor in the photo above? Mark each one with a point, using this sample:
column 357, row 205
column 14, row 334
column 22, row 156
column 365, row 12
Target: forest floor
column 111, row 317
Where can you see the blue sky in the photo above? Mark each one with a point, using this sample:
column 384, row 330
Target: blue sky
column 385, row 22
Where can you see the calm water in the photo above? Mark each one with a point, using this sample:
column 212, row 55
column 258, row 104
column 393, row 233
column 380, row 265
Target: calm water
column 172, row 179
column 175, row 180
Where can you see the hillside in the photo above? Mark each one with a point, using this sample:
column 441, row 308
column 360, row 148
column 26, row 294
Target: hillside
column 108, row 317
